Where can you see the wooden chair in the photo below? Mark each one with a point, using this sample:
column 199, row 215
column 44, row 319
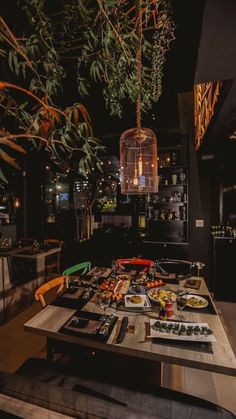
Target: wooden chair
column 52, row 262
column 123, row 263
column 81, row 268
column 56, row 282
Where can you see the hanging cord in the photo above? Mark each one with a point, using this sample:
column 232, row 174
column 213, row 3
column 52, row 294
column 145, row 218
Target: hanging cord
column 139, row 62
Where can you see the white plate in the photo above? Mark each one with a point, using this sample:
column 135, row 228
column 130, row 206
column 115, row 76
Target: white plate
column 130, row 301
column 199, row 300
column 172, row 336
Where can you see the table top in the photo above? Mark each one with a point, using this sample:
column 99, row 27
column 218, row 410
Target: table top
column 21, row 253
column 220, row 359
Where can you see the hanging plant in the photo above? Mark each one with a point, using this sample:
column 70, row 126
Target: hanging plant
column 99, row 39
column 109, row 51
column 62, row 133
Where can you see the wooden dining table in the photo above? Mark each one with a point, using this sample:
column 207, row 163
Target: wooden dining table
column 22, row 271
column 216, row 357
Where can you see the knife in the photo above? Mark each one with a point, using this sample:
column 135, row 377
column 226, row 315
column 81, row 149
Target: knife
column 122, row 331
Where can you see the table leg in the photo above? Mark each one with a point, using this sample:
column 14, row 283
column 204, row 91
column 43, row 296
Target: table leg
column 50, row 350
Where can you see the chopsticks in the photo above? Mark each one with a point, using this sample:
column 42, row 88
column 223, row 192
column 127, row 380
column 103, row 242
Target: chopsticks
column 182, row 292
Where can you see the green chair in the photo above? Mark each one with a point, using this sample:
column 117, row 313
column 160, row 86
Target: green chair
column 81, row 268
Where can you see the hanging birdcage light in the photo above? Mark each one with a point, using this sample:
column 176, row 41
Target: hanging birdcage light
column 138, row 161
column 138, row 146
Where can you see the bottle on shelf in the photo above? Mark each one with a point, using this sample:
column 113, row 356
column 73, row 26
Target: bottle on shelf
column 173, row 159
column 182, row 213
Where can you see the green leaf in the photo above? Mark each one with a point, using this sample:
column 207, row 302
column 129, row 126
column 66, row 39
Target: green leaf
column 13, row 145
column 2, row 177
column 8, row 159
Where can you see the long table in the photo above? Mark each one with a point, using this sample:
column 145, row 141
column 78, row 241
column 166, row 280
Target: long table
column 220, row 359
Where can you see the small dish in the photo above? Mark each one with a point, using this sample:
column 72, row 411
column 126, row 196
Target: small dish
column 137, row 300
column 137, row 289
column 195, row 301
column 122, row 287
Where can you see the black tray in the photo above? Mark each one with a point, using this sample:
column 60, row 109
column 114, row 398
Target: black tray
column 69, row 300
column 90, row 325
column 205, row 347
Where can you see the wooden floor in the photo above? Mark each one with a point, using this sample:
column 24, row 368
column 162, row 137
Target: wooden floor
column 17, row 345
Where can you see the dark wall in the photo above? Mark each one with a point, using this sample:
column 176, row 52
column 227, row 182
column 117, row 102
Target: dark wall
column 204, row 191
column 216, row 56
column 217, row 61
column 34, row 208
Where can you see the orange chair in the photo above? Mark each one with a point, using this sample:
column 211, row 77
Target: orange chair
column 52, row 262
column 122, row 263
column 39, row 293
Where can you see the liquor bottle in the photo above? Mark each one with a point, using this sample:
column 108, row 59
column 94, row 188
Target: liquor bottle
column 169, row 308
column 162, row 312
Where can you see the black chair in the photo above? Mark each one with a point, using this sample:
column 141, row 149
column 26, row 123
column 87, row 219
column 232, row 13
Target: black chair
column 172, row 266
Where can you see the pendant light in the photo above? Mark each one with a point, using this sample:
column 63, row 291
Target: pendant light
column 138, row 146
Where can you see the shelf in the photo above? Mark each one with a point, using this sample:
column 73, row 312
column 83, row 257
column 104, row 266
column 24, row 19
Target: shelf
column 171, row 203
column 169, row 231
column 165, row 242
column 172, row 167
column 177, row 185
column 168, row 221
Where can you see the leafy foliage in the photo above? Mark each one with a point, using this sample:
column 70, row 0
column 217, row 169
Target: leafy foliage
column 109, row 50
column 63, row 133
column 100, row 39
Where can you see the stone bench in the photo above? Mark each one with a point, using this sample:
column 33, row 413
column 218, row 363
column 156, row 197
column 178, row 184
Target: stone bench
column 55, row 387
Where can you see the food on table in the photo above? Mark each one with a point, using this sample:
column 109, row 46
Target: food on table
column 159, row 295
column 117, row 297
column 135, row 299
column 196, row 302
column 181, row 329
column 123, row 277
column 141, row 278
column 114, row 296
column 149, row 283
column 108, row 284
column 122, row 287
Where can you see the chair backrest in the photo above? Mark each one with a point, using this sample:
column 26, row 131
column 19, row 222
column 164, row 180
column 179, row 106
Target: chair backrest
column 81, row 268
column 179, row 267
column 53, row 242
column 122, row 263
column 39, row 293
column 53, row 261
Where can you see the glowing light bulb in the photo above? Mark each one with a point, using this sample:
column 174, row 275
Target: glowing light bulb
column 140, row 165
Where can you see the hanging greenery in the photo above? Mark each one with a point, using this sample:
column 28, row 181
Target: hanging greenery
column 66, row 134
column 110, row 47
column 99, row 40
